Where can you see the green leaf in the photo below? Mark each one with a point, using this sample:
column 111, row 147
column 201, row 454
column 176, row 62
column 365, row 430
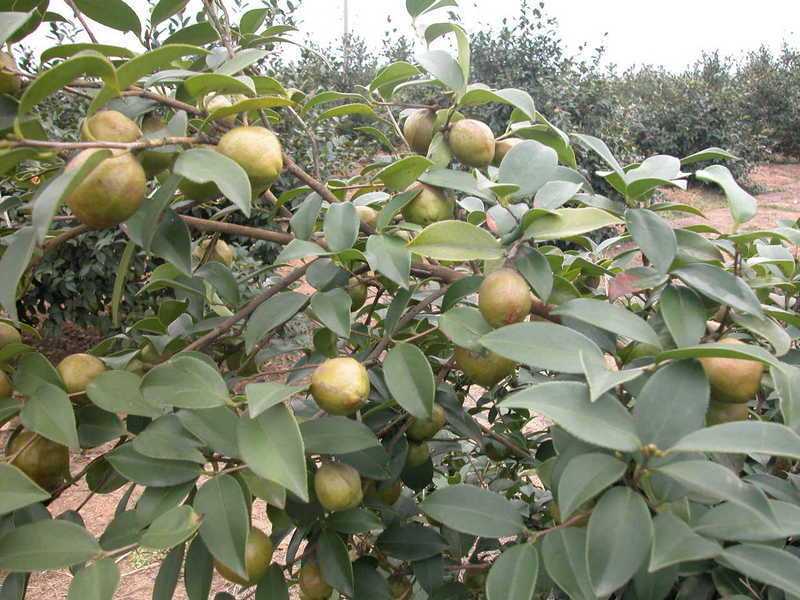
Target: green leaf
column 272, row 313
column 341, row 226
column 722, row 286
column 787, row 386
column 149, row 471
column 411, row 541
column 356, row 108
column 599, row 147
column 402, row 173
column 226, row 522
column 173, row 242
column 409, row 378
column 198, row 571
column 568, row 222
column 564, row 557
column 49, row 413
column 743, row 437
column 731, row 522
column 684, row 315
column 263, row 396
column 272, row 447
column 544, row 345
column 672, row 404
column 611, row 317
column 654, row 236
column 13, row 264
column 355, row 520
column 464, row 326
column 460, row 181
column 46, row 545
column 584, row 477
column 513, row 575
column 536, row 270
column 554, row 194
column 334, row 562
column 165, row 9
column 473, row 510
column 389, row 256
column 165, row 438
column 674, row 543
column 333, row 309
column 712, row 153
column 456, row 240
column 519, row 99
column 118, row 391
column 156, row 501
column 198, row 86
column 17, row 490
column 273, row 585
column 742, row 205
column 197, row 34
column 10, row 22
column 115, row 14
column 98, row 581
column 529, row 165
column 443, row 67
column 742, row 351
column 605, row 423
column 619, row 536
column 203, row 165
column 772, row 566
column 241, row 60
column 185, row 382
column 336, row 435
column 391, row 75
column 171, row 528
column 167, row 578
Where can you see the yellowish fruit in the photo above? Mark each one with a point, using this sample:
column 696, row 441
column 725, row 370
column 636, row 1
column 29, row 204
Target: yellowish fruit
column 387, row 492
column 257, row 150
column 221, row 253
column 486, row 368
column 8, row 334
column 340, row 385
column 10, row 83
column 258, row 554
column 44, row 461
column 111, row 193
column 400, row 587
column 357, row 290
column 418, row 454
column 429, row 206
column 418, row 130
column 726, row 412
column 312, row 584
column 424, row 429
column 109, row 126
column 504, row 298
column 214, row 102
column 367, row 215
column 471, row 142
column 503, row 147
column 5, row 386
column 732, row 380
column 79, row 370
column 338, row 486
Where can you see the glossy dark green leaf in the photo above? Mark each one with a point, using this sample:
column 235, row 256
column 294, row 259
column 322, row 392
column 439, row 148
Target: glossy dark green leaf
column 214, row 426
column 772, row 566
column 150, row 471
column 46, row 545
column 722, row 286
column 49, row 413
column 115, row 14
column 533, row 266
column 456, row 240
column 185, row 382
column 611, row 317
column 411, row 541
column 226, row 522
column 34, row 370
column 513, row 575
column 745, row 437
column 272, row 586
column 13, row 264
column 355, row 520
column 444, row 67
column 198, row 570
column 168, row 574
column 464, row 326
column 389, row 256
column 674, row 543
column 336, row 435
column 203, row 165
column 564, row 558
column 742, row 205
column 17, row 490
column 164, row 9
column 156, row 501
column 165, row 438
column 275, row 311
column 334, row 562
column 409, row 378
column 98, row 581
column 171, row 528
column 683, row 314
column 529, row 165
column 341, row 226
column 97, row 426
column 333, row 309
column 262, row 396
column 584, row 477
column 473, row 510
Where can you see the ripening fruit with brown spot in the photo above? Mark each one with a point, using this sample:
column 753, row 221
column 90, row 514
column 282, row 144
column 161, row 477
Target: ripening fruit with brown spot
column 418, row 454
column 79, row 370
column 504, row 298
column 340, row 385
column 471, row 142
column 418, row 130
column 10, row 83
column 431, row 205
column 357, row 290
column 367, row 215
column 733, row 380
column 338, row 486
column 483, row 368
column 111, row 193
column 8, row 334
column 503, row 147
column 726, row 412
column 312, row 584
column 109, row 126
column 222, row 252
column 424, row 429
column 44, row 461
column 5, row 386
column 257, row 150
column 257, row 556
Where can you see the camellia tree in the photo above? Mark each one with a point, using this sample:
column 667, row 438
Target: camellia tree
column 492, row 404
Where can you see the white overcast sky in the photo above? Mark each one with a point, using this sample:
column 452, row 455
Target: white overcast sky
column 662, row 32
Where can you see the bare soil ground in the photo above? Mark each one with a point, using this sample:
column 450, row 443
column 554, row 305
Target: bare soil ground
column 780, row 200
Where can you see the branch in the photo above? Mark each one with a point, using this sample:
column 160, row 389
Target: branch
column 312, row 138
column 83, row 22
column 314, row 184
column 64, row 146
column 243, row 230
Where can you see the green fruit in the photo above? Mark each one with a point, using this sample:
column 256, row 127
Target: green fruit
column 44, row 461
column 418, row 130
column 424, row 429
column 109, row 126
column 222, row 252
column 429, row 206
column 340, row 386
column 5, row 386
column 155, row 160
column 503, row 147
column 484, row 368
column 257, row 150
column 639, row 350
column 387, row 492
column 313, row 586
column 338, row 486
column 418, row 454
column 472, row 143
column 367, row 215
column 257, row 557
column 504, row 298
column 725, row 412
column 8, row 335
column 79, row 370
column 10, row 83
column 400, row 587
column 733, row 380
column 111, row 193
column 357, row 290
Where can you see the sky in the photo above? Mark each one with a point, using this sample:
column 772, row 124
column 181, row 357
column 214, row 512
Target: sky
column 671, row 33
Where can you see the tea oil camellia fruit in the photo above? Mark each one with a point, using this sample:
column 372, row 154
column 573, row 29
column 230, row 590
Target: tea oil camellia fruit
column 109, row 126
column 311, row 582
column 10, row 83
column 503, row 147
column 504, row 298
column 8, row 335
column 726, row 412
column 431, row 205
column 418, row 130
column 5, row 386
column 357, row 290
column 258, row 554
column 732, row 380
column 472, row 143
column 424, row 429
column 484, row 368
column 44, row 461
column 340, row 385
column 367, row 215
column 418, row 454
column 79, row 370
column 258, row 152
column 338, row 486
column 222, row 252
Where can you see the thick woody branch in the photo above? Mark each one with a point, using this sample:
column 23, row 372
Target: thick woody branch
column 314, row 184
column 65, row 146
column 243, row 230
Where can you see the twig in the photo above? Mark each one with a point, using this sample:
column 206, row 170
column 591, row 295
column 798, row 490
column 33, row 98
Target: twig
column 314, row 184
column 243, row 230
column 83, row 22
column 312, row 138
column 167, row 141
